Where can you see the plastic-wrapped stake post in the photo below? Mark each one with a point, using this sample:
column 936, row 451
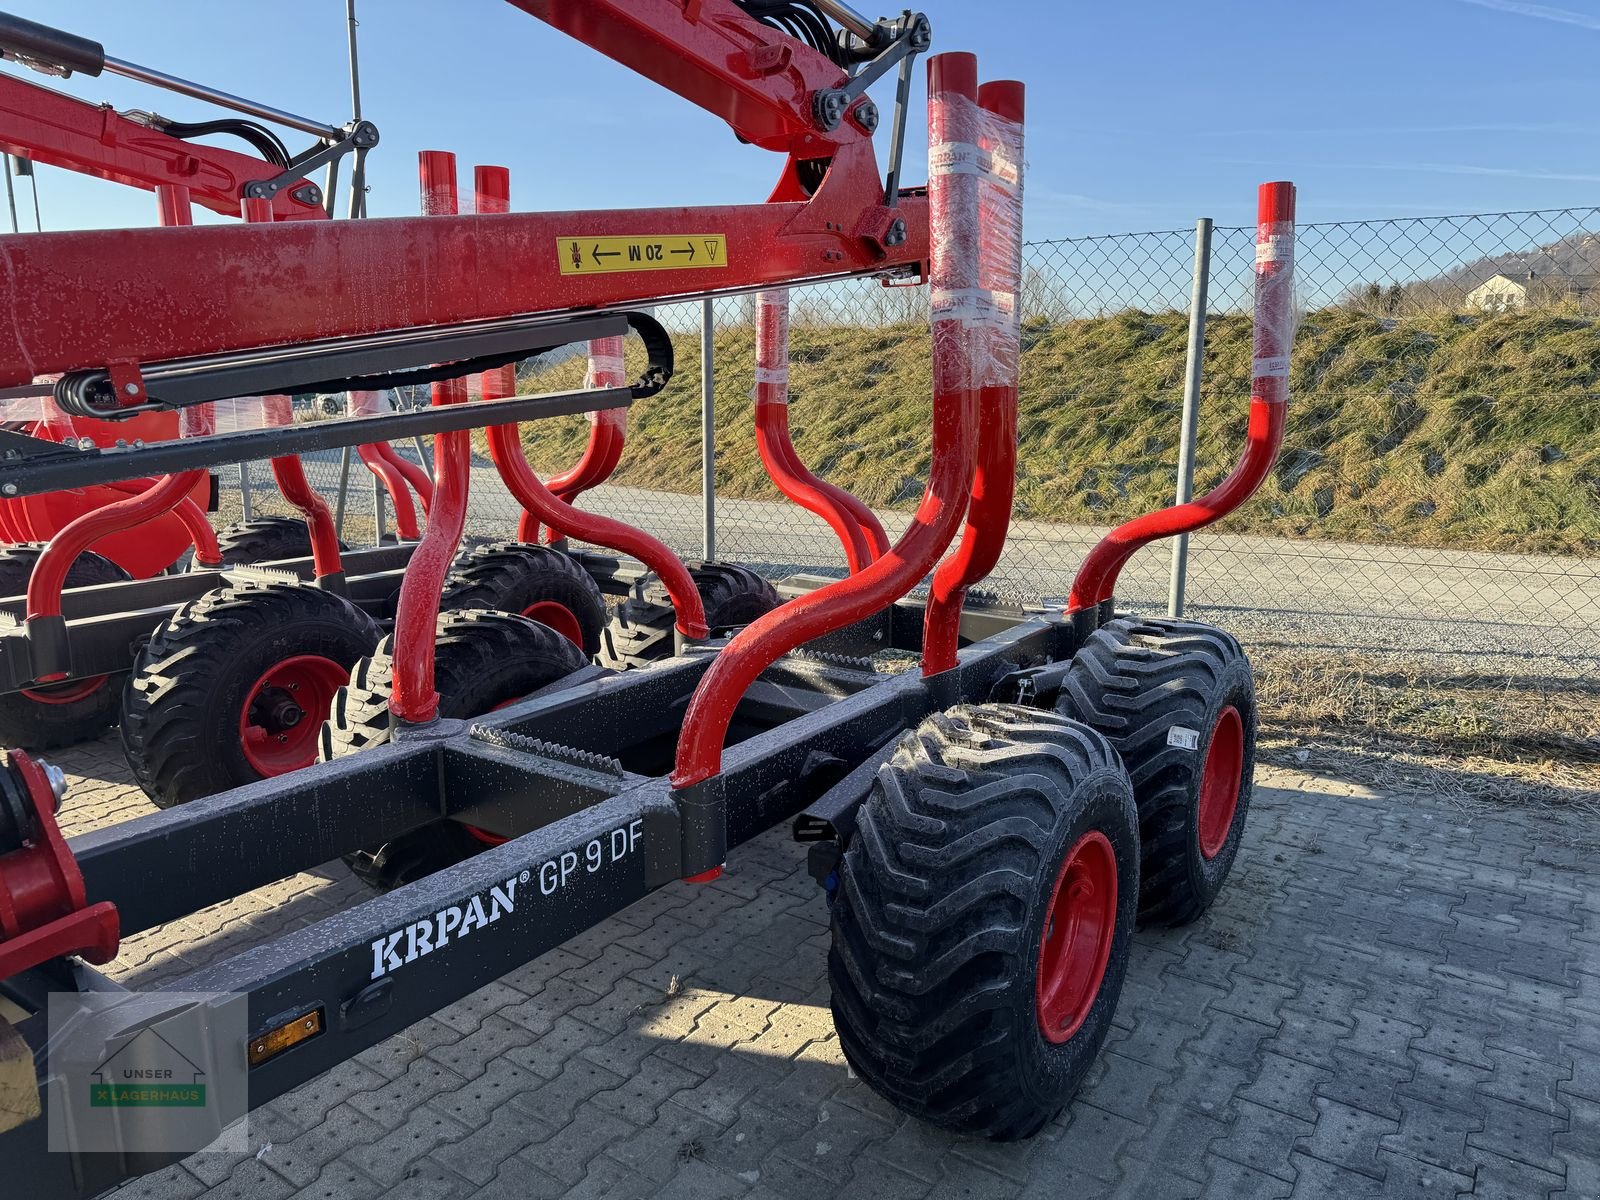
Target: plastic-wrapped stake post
column 994, row 326
column 854, row 524
column 1275, row 319
column 414, row 699
column 954, row 278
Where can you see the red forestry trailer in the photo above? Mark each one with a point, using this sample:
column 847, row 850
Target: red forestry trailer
column 987, row 830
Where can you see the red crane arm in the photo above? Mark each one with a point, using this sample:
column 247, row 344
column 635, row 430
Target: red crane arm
column 711, row 53
column 93, row 139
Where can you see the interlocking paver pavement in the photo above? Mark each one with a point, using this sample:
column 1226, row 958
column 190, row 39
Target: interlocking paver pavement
column 1393, row 998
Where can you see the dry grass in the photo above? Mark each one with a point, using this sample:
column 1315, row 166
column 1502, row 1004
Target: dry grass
column 1475, row 740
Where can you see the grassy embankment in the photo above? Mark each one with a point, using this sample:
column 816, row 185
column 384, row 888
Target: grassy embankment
column 1440, row 430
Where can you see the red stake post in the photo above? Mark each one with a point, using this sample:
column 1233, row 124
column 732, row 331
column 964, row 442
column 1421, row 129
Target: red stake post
column 414, row 699
column 854, row 524
column 953, row 274
column 608, row 433
column 607, row 430
column 1269, row 395
column 997, row 362
column 380, row 459
column 288, row 472
column 493, row 185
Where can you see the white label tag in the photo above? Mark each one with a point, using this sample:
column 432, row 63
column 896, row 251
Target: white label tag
column 1276, row 247
column 1275, row 367
column 1186, row 739
column 978, row 306
column 957, row 158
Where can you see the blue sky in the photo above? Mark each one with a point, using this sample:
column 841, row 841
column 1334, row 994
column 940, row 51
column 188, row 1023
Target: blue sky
column 1142, row 116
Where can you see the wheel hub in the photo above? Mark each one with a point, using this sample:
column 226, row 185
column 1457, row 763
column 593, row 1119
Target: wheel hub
column 1220, row 780
column 558, row 617
column 1078, row 929
column 284, row 710
column 275, row 710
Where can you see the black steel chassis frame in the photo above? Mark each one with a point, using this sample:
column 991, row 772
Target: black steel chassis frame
column 569, row 775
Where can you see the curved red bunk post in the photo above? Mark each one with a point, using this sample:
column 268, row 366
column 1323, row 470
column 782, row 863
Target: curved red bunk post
column 608, row 434
column 399, row 476
column 50, row 572
column 287, row 471
column 540, row 504
column 414, row 699
column 412, row 473
column 204, row 538
column 290, row 476
column 201, row 535
column 994, row 481
column 394, row 483
column 953, row 276
column 505, row 448
column 1269, row 394
column 607, row 430
column 855, row 525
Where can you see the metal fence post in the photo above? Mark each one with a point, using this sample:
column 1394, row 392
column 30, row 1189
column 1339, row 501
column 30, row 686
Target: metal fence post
column 1194, row 367
column 708, row 434
column 244, row 492
column 377, row 511
column 344, row 493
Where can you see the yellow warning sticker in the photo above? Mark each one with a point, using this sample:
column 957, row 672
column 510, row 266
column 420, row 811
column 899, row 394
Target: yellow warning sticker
column 642, row 252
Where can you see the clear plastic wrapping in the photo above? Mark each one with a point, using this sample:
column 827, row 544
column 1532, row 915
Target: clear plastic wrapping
column 772, row 346
column 198, row 420
column 971, row 143
column 367, row 404
column 251, row 412
column 1276, row 314
column 606, row 370
column 28, row 409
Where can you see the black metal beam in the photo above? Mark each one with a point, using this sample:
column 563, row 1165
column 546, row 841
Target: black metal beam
column 344, row 363
column 62, row 468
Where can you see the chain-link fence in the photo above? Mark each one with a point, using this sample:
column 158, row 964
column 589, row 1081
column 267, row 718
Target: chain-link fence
column 1438, row 491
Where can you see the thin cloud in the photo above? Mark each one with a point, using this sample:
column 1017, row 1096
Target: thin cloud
column 1540, row 12
column 1403, row 130
column 1077, row 202
column 1427, row 168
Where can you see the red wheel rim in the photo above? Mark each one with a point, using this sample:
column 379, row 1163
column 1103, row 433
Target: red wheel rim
column 558, row 617
column 273, row 743
column 1219, row 781
column 1076, row 945
column 67, row 693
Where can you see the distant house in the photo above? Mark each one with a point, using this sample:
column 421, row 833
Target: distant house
column 1512, row 293
column 1501, row 293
